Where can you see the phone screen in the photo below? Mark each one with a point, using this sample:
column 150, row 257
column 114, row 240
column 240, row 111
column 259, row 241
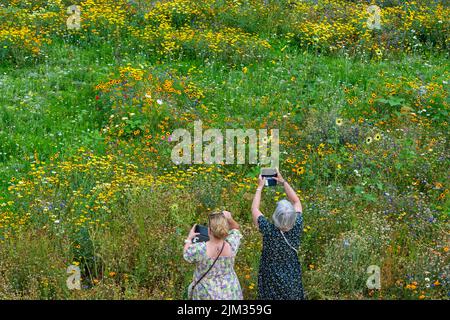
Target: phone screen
column 269, row 174
column 270, row 182
column 203, row 236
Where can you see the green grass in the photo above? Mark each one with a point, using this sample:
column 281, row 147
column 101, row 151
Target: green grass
column 50, row 107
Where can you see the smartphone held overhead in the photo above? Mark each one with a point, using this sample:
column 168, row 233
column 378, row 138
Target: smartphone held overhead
column 269, row 175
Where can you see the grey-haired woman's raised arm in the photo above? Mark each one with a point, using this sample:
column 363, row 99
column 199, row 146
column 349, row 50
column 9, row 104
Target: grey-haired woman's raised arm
column 257, row 201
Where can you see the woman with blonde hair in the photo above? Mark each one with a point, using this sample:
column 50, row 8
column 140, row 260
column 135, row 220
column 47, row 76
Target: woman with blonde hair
column 280, row 275
column 214, row 275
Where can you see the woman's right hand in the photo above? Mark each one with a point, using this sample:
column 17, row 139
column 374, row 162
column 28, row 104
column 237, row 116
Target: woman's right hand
column 227, row 214
column 231, row 223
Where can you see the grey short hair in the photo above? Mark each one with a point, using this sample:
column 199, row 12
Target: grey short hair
column 284, row 216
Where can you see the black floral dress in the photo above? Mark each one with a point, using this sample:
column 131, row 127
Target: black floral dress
column 280, row 274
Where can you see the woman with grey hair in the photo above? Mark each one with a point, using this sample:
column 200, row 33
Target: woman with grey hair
column 280, row 274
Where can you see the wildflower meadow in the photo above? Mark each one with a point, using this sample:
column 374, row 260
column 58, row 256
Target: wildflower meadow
column 91, row 92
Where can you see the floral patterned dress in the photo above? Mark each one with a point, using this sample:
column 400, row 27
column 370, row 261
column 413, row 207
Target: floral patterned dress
column 280, row 274
column 221, row 282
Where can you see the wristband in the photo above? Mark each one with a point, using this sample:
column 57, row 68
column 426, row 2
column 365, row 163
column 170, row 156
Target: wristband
column 187, row 241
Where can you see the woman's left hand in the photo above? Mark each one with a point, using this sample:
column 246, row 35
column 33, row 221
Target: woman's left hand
column 261, row 181
column 279, row 177
column 192, row 233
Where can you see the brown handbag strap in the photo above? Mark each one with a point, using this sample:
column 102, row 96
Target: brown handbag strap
column 209, row 269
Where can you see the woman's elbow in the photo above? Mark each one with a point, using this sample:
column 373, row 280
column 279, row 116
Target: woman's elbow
column 298, row 206
column 234, row 226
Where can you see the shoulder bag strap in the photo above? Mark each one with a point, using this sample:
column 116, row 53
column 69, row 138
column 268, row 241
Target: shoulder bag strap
column 296, row 251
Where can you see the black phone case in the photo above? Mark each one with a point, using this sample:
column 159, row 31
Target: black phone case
column 271, row 182
column 203, row 236
column 269, row 175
